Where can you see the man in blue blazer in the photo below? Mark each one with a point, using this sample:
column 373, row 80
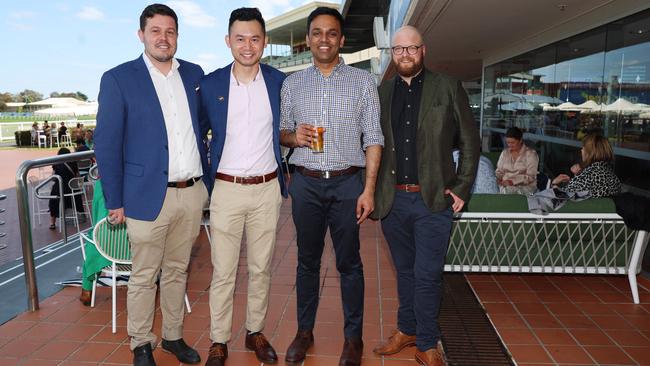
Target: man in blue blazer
column 240, row 103
column 151, row 159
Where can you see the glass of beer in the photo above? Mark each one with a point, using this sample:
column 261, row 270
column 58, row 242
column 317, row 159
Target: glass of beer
column 317, row 142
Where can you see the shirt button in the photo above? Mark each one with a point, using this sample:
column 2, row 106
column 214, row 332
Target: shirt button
column 393, row 149
column 407, row 140
column 392, row 172
column 409, row 90
column 408, row 123
column 408, row 106
column 406, row 177
column 406, row 158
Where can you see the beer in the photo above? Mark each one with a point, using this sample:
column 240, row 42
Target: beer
column 317, row 143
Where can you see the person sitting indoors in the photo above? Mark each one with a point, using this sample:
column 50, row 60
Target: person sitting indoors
column 517, row 166
column 594, row 174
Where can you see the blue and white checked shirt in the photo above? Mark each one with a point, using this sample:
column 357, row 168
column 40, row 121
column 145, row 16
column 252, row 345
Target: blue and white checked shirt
column 346, row 103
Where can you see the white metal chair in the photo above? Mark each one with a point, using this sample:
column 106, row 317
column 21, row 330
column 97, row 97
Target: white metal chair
column 77, row 189
column 54, row 137
column 65, row 140
column 42, row 139
column 37, row 210
column 112, row 242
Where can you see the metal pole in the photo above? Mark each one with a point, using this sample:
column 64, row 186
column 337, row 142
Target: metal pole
column 24, row 217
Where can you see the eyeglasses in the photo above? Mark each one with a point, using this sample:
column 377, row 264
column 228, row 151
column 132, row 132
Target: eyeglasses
column 411, row 50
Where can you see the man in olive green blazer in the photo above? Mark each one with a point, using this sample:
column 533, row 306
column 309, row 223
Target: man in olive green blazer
column 423, row 116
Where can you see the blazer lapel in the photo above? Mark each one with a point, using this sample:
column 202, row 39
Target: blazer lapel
column 148, row 95
column 426, row 98
column 191, row 93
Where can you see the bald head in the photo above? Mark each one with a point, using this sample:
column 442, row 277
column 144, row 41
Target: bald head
column 406, row 36
column 408, row 52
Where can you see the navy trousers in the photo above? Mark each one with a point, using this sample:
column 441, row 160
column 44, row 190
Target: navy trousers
column 418, row 241
column 318, row 204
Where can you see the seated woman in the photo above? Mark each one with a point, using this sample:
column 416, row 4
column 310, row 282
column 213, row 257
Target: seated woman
column 517, row 166
column 594, row 174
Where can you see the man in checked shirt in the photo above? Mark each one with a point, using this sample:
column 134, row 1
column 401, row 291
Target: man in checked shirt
column 329, row 190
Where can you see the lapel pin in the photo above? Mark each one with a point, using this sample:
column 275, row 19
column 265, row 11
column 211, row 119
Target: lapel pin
column 220, row 98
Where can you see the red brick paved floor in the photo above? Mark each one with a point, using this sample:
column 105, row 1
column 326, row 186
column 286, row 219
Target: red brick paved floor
column 543, row 320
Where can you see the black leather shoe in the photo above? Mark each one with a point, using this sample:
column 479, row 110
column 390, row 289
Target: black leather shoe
column 181, row 350
column 297, row 350
column 352, row 352
column 143, row 356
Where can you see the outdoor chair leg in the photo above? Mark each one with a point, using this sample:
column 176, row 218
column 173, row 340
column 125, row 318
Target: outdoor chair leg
column 114, row 288
column 92, row 296
column 635, row 263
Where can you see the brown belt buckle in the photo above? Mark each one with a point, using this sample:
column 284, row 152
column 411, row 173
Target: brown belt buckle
column 407, row 187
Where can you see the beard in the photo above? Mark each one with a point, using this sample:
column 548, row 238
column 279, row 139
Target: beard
column 411, row 70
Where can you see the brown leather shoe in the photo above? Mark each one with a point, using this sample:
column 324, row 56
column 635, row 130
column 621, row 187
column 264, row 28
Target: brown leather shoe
column 431, row 357
column 297, row 350
column 263, row 350
column 352, row 352
column 395, row 343
column 85, row 297
column 217, row 355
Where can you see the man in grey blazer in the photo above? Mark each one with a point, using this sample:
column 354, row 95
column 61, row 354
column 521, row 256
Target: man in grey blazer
column 418, row 187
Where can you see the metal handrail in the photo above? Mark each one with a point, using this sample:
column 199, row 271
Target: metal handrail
column 22, row 197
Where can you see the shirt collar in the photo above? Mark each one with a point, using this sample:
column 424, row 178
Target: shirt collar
column 151, row 66
column 233, row 78
column 335, row 70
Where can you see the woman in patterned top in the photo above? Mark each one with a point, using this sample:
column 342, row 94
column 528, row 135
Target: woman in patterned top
column 596, row 175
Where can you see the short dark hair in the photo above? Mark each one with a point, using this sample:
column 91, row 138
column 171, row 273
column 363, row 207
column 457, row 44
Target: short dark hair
column 156, row 9
column 323, row 10
column 245, row 15
column 80, row 141
column 515, row 133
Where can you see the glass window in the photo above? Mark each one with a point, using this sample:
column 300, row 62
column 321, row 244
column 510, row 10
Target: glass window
column 594, row 82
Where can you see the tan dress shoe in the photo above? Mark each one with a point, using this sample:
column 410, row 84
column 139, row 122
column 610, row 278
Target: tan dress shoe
column 395, row 343
column 431, row 357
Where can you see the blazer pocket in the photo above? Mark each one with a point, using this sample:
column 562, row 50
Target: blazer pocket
column 133, row 169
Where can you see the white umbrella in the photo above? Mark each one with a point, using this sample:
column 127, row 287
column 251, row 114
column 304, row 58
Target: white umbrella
column 590, row 105
column 621, row 105
column 568, row 106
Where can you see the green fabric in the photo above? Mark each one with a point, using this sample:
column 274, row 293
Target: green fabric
column 519, row 203
column 94, row 261
column 444, row 113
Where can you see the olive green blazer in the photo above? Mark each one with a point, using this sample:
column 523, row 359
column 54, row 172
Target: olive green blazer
column 444, row 117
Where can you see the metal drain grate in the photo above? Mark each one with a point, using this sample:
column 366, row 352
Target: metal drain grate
column 467, row 334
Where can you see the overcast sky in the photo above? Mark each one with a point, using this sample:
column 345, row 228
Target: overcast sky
column 65, row 46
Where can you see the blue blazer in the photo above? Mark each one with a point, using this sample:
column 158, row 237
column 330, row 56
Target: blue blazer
column 214, row 94
column 131, row 137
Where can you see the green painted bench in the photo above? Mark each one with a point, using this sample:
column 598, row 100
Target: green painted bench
column 497, row 233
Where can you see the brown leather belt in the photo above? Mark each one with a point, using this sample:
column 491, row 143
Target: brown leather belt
column 408, row 187
column 188, row 183
column 326, row 174
column 247, row 180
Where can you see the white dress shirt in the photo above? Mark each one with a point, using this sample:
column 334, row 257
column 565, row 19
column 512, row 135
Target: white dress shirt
column 184, row 158
column 248, row 150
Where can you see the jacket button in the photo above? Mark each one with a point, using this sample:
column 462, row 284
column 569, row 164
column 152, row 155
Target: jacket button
column 392, row 172
column 393, row 149
column 164, row 172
